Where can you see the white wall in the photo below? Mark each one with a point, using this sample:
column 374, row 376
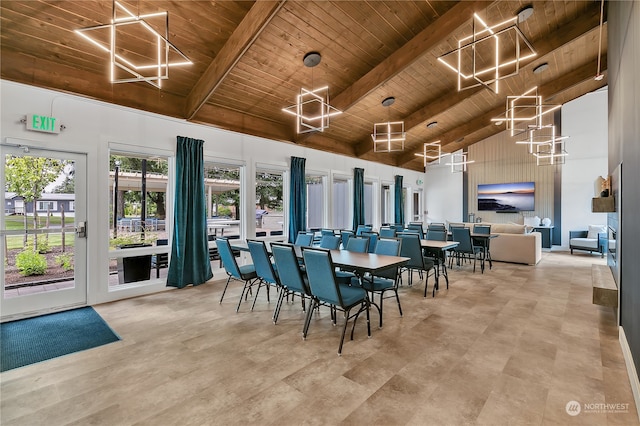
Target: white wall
column 93, row 127
column 584, row 120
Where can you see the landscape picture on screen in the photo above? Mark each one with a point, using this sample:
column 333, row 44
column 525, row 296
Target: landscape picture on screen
column 506, row 197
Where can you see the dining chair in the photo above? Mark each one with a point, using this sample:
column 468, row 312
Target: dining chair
column 358, row 244
column 436, row 226
column 373, row 240
column 416, row 227
column 387, row 232
column 304, row 239
column 363, row 228
column 331, row 242
column 484, row 242
column 344, row 237
column 439, row 256
column 292, row 279
column 267, row 276
column 244, row 273
column 160, row 260
column 326, row 290
column 466, row 248
column 412, row 249
column 386, row 280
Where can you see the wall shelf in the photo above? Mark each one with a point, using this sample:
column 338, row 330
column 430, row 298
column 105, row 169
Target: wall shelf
column 603, row 205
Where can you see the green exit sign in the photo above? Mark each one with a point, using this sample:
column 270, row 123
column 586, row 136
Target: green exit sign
column 42, row 123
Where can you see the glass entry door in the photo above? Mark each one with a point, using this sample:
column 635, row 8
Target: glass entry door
column 43, row 231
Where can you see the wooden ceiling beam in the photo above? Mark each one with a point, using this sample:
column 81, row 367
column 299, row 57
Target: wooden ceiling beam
column 399, row 60
column 245, row 34
column 228, row 119
column 553, row 88
column 564, row 35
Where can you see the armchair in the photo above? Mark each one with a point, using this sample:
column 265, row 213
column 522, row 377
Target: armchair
column 581, row 240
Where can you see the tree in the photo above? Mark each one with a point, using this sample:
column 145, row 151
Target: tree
column 68, row 185
column 28, row 176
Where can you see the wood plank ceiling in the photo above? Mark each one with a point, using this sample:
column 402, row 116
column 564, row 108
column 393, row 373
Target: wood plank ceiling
column 248, row 64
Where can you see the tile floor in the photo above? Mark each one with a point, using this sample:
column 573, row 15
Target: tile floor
column 511, row 346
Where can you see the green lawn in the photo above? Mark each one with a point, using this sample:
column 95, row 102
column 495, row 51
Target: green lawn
column 16, row 223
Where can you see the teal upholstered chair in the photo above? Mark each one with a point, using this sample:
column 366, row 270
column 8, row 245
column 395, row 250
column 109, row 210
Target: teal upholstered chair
column 244, row 273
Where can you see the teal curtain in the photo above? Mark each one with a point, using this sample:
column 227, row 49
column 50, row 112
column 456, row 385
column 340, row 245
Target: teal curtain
column 298, row 198
column 399, row 201
column 190, row 251
column 358, row 197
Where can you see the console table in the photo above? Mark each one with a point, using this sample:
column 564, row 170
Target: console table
column 546, row 235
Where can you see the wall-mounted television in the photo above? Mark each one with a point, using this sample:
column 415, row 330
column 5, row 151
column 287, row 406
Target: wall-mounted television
column 506, row 197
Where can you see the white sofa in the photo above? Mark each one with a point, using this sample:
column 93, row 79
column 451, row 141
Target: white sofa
column 514, row 244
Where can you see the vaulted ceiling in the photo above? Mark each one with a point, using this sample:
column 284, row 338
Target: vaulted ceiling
column 248, row 64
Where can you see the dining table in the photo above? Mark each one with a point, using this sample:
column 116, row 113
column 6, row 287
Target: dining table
column 359, row 263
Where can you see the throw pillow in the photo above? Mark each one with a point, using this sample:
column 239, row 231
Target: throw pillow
column 594, row 230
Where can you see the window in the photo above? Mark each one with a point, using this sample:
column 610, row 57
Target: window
column 340, row 206
column 269, row 202
column 224, row 199
column 387, row 204
column 368, row 202
column 44, row 206
column 72, row 206
column 315, row 200
column 138, row 216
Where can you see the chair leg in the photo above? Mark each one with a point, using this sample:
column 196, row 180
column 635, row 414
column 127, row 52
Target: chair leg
column 276, row 311
column 344, row 331
column 225, row 288
column 307, row 319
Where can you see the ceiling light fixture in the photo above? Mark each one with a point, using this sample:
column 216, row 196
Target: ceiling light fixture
column 431, row 152
column 478, row 60
column 389, row 136
column 459, row 162
column 544, row 136
column 312, row 108
column 126, row 25
column 432, row 125
column 525, row 112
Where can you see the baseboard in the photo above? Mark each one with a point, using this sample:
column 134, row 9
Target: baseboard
column 631, row 369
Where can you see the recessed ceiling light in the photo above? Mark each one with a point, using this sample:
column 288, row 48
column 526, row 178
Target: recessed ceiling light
column 498, row 123
column 541, row 68
column 460, row 139
column 432, row 125
column 525, row 13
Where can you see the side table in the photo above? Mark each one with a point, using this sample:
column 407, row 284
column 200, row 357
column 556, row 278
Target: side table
column 546, row 235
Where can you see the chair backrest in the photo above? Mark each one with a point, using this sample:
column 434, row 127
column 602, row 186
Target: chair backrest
column 304, row 239
column 321, row 275
column 455, row 225
column 411, row 248
column 437, row 226
column 463, row 237
column 327, row 232
column 373, row 240
column 261, row 261
column 227, row 258
column 436, row 235
column 482, row 229
column 344, row 236
column 288, row 267
column 389, row 247
column 358, row 244
column 363, row 228
column 331, row 242
column 416, row 226
column 387, row 231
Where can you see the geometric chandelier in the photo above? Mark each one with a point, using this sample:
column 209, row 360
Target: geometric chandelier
column 525, row 112
column 545, row 145
column 388, row 136
column 432, row 152
column 146, row 64
column 312, row 108
column 489, row 54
